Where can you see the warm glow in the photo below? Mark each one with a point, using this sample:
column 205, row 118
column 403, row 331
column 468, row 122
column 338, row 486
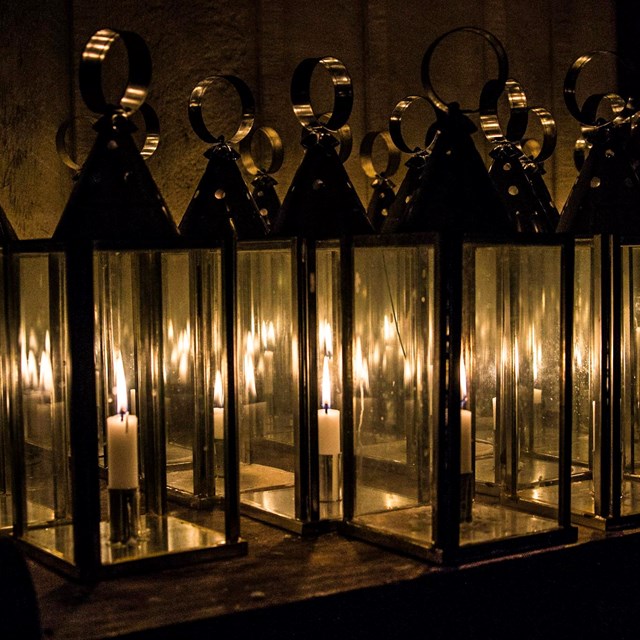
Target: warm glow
column 463, row 380
column 46, row 372
column 32, row 371
column 326, row 384
column 218, row 398
column 249, row 377
column 47, row 342
column 121, row 383
column 251, row 346
column 326, row 338
column 408, row 374
column 578, row 355
column 268, row 334
column 360, row 366
column 387, row 329
column 534, row 351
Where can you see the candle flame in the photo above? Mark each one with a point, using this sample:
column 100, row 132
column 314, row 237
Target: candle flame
column 387, row 329
column 463, row 381
column 326, row 384
column 31, row 373
column 249, row 378
column 326, row 339
column 218, row 397
column 46, row 373
column 121, row 383
column 360, row 366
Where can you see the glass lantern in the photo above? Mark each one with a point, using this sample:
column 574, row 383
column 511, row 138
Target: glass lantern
column 602, row 214
column 459, row 445
column 123, row 345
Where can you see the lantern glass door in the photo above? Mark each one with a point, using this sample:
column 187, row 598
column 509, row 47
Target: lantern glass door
column 586, row 486
column 629, row 474
column 6, row 514
column 193, row 363
column 393, row 383
column 268, row 360
column 43, row 490
column 137, row 294
column 511, row 389
column 328, row 378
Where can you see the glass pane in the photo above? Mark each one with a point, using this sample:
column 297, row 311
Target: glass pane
column 585, row 476
column 393, row 366
column 43, row 399
column 630, row 408
column 6, row 516
column 329, row 379
column 511, row 390
column 193, row 373
column 268, row 366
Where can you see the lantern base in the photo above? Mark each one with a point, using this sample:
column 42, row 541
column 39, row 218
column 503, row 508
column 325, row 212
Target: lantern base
column 124, row 516
column 168, row 542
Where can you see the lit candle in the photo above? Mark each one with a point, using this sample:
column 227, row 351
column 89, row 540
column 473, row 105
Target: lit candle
column 465, row 424
column 328, row 419
column 122, row 437
column 218, row 411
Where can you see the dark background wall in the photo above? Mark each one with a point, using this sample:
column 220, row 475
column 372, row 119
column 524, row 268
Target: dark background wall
column 380, row 41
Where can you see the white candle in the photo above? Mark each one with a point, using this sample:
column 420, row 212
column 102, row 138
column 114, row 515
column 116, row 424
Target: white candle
column 218, row 411
column 122, row 438
column 328, row 419
column 465, row 425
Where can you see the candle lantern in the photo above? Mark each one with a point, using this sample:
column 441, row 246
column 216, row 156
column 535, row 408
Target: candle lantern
column 458, row 446
column 7, row 237
column 96, row 324
column 289, row 327
column 602, row 212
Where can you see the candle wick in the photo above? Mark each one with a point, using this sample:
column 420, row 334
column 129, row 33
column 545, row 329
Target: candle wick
column 122, row 414
column 326, row 407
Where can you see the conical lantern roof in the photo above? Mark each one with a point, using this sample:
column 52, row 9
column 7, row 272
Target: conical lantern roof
column 115, row 197
column 222, row 205
column 321, row 201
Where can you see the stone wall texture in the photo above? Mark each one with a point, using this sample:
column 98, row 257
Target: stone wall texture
column 381, row 42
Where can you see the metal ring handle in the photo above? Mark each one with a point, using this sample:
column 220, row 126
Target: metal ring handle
column 518, row 116
column 366, row 155
column 252, row 167
column 61, row 142
column 248, row 109
column 149, row 147
column 395, row 123
column 491, row 90
column 587, row 114
column 90, row 71
column 301, row 94
column 549, row 134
